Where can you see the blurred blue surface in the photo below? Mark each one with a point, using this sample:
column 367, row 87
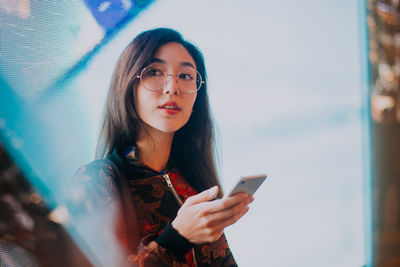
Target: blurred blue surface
column 109, row 13
column 44, row 44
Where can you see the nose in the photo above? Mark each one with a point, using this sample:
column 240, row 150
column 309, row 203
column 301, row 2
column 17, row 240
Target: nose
column 171, row 86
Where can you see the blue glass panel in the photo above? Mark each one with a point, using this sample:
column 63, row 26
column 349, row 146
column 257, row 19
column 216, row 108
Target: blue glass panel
column 109, row 13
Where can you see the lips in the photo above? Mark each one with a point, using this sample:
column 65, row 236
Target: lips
column 170, row 108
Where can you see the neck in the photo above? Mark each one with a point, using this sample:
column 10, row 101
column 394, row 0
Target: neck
column 154, row 148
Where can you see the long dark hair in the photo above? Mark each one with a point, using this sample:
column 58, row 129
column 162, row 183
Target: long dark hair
column 192, row 146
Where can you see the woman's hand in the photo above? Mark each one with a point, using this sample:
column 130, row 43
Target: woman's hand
column 201, row 219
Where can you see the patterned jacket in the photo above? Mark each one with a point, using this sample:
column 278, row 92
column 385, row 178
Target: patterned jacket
column 156, row 198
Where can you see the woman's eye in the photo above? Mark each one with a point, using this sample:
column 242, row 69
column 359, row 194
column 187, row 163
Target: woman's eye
column 155, row 72
column 186, row 76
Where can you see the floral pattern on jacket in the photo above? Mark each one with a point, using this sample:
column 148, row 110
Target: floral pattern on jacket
column 155, row 206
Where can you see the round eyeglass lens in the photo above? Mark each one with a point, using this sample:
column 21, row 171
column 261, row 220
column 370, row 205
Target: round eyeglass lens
column 188, row 80
column 154, row 77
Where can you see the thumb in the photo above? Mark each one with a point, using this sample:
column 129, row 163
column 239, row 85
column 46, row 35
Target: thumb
column 206, row 195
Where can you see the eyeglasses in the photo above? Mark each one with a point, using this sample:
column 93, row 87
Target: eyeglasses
column 154, row 77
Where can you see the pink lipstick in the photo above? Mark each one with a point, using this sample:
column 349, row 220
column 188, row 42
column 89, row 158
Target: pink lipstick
column 170, row 108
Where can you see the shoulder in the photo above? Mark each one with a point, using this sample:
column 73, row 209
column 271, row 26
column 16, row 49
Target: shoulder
column 99, row 174
column 94, row 183
column 98, row 167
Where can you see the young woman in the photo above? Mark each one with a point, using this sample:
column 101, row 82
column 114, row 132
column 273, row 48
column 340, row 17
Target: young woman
column 157, row 144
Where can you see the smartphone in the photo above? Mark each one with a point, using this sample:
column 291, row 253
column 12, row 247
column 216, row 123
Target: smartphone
column 248, row 184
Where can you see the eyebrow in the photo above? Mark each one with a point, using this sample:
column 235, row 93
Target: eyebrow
column 184, row 63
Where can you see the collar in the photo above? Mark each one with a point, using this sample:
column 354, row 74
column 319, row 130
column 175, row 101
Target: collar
column 128, row 162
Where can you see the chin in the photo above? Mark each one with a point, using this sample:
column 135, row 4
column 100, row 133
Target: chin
column 170, row 129
column 167, row 127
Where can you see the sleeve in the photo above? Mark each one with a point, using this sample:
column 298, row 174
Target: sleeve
column 97, row 210
column 174, row 242
column 216, row 254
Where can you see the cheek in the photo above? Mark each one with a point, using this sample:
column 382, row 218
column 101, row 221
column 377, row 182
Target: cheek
column 141, row 98
column 190, row 107
column 192, row 101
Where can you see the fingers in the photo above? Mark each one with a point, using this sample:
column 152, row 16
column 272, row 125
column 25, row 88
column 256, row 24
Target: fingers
column 231, row 220
column 216, row 229
column 222, row 224
column 228, row 202
column 200, row 220
column 229, row 212
column 206, row 195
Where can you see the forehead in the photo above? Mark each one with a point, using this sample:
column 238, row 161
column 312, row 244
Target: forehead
column 174, row 54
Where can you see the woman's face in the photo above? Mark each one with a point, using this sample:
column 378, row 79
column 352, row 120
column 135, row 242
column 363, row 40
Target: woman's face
column 168, row 109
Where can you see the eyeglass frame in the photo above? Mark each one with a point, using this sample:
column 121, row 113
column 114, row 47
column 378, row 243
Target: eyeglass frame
column 168, row 75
